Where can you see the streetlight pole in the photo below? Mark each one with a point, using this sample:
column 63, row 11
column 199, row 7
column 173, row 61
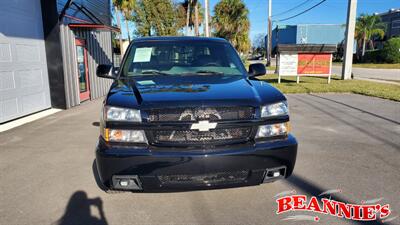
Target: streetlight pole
column 349, row 41
column 206, row 28
column 269, row 33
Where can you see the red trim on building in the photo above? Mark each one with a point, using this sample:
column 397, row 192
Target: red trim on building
column 83, row 96
column 93, row 26
column 76, row 19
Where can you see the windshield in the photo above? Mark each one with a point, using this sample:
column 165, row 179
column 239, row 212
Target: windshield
column 182, row 58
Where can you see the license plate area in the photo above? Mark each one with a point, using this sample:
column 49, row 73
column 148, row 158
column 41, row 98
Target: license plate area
column 205, row 179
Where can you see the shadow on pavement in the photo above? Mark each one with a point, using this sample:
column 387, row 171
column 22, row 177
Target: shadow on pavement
column 96, row 124
column 78, row 211
column 360, row 129
column 361, row 110
column 313, row 189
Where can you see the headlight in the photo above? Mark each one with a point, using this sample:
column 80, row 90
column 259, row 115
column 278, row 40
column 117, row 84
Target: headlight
column 273, row 130
column 121, row 114
column 134, row 136
column 277, row 109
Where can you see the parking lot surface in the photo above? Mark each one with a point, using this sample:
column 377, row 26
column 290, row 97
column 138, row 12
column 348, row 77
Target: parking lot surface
column 348, row 142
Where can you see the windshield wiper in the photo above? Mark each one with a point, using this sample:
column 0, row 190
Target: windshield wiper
column 209, row 72
column 154, row 72
column 202, row 72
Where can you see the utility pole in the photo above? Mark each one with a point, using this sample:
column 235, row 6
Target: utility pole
column 349, row 41
column 269, row 33
column 206, row 23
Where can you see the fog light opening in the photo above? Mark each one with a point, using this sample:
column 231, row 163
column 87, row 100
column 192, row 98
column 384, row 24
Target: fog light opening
column 126, row 182
column 273, row 174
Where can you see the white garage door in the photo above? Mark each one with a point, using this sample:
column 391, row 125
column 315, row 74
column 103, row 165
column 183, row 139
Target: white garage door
column 24, row 86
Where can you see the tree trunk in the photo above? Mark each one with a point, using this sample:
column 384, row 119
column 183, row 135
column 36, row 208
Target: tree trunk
column 127, row 28
column 121, row 49
column 196, row 18
column 363, row 48
column 188, row 17
column 371, row 44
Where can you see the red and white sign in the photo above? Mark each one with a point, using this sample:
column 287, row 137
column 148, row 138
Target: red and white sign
column 305, row 64
column 314, row 64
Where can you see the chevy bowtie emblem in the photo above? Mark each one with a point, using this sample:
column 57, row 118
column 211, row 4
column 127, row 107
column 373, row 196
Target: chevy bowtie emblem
column 203, row 125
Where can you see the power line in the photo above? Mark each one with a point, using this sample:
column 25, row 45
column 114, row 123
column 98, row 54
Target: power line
column 258, row 4
column 303, row 11
column 291, row 9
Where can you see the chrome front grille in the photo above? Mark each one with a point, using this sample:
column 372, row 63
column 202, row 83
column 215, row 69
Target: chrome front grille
column 216, row 136
column 201, row 113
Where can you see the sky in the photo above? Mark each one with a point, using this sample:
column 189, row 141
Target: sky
column 329, row 12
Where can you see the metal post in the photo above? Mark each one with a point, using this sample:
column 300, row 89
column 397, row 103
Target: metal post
column 349, row 41
column 206, row 23
column 330, row 69
column 269, row 32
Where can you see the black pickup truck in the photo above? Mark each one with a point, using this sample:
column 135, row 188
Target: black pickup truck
column 183, row 113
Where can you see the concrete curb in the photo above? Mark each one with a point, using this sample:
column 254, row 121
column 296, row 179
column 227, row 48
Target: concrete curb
column 27, row 119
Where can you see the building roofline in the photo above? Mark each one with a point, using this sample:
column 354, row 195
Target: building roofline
column 325, row 24
column 388, row 12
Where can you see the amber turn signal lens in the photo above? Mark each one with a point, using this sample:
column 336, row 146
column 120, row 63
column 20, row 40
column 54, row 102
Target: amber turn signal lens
column 107, row 134
column 116, row 135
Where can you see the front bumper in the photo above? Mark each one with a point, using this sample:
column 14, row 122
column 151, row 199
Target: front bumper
column 153, row 165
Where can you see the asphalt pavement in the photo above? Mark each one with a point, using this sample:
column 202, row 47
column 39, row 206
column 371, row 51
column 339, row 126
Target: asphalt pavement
column 370, row 73
column 358, row 73
column 348, row 142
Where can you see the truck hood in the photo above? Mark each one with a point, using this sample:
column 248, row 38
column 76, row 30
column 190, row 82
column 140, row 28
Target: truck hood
column 173, row 91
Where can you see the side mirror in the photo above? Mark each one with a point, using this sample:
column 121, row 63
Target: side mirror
column 105, row 71
column 257, row 69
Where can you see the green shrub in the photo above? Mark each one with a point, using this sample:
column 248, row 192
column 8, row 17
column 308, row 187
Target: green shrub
column 391, row 50
column 373, row 56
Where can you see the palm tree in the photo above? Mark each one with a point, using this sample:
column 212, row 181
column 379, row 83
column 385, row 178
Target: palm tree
column 231, row 22
column 117, row 6
column 126, row 7
column 367, row 27
column 191, row 19
column 196, row 17
column 188, row 13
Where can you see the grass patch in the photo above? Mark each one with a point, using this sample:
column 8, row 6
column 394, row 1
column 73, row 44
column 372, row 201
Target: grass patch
column 373, row 65
column 320, row 85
